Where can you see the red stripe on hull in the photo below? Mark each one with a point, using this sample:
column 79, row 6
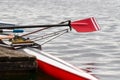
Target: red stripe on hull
column 57, row 72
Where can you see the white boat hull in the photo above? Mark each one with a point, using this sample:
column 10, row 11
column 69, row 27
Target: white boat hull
column 57, row 67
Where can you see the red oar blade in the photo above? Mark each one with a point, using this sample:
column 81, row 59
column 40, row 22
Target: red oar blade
column 85, row 25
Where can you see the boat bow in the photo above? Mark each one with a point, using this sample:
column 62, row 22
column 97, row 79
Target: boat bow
column 57, row 67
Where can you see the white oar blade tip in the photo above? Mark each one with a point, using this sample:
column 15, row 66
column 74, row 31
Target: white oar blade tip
column 95, row 24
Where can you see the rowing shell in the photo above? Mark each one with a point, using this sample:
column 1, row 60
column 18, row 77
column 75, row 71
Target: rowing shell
column 57, row 67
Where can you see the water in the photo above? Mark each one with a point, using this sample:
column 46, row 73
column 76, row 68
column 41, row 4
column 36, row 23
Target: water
column 96, row 52
column 25, row 76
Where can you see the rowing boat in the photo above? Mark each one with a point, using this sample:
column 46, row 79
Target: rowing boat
column 49, row 64
column 57, row 67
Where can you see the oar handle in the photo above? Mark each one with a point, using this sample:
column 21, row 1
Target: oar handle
column 13, row 31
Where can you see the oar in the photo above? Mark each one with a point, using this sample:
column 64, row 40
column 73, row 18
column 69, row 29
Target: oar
column 6, row 24
column 84, row 25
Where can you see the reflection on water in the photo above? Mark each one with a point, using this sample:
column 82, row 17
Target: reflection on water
column 25, row 76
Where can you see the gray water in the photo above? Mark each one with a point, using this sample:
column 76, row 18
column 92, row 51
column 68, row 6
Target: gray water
column 97, row 52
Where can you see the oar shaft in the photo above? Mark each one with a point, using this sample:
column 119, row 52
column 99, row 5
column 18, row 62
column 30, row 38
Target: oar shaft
column 33, row 26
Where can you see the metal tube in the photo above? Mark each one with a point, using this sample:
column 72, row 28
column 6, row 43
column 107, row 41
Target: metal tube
column 33, row 26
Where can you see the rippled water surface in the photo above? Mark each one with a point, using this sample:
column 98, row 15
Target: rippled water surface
column 97, row 52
